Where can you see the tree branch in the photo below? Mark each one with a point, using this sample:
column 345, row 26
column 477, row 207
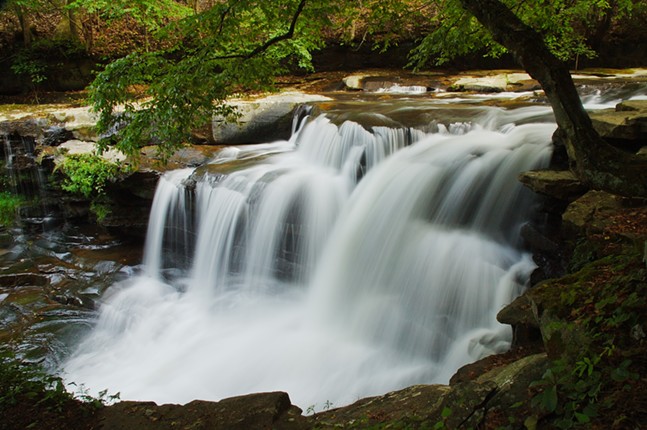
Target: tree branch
column 274, row 40
column 597, row 163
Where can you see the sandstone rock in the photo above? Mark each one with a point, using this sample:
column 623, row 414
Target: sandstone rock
column 560, row 184
column 628, row 121
column 261, row 120
column 72, row 147
column 495, row 83
column 186, row 156
column 354, row 82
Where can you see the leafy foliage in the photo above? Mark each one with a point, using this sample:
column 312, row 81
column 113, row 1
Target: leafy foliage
column 88, row 174
column 569, row 28
column 232, row 47
column 152, row 14
column 606, row 301
column 20, row 381
column 32, row 61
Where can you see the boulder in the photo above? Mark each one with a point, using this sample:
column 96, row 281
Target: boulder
column 78, row 147
column 560, row 184
column 627, row 122
column 261, row 120
column 495, row 83
column 591, row 212
column 382, row 82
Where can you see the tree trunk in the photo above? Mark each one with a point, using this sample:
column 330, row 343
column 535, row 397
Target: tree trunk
column 598, row 164
column 25, row 25
column 73, row 23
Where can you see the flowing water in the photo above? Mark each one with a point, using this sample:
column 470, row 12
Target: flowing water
column 340, row 264
column 336, row 265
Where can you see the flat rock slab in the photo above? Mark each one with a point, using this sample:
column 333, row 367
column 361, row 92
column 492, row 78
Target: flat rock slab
column 561, row 184
column 628, row 121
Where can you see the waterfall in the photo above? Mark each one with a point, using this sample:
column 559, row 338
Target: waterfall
column 169, row 224
column 339, row 264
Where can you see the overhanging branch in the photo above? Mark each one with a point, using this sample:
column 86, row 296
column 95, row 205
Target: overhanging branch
column 272, row 41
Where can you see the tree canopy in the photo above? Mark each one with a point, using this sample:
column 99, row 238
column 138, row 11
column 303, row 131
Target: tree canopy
column 196, row 54
column 240, row 45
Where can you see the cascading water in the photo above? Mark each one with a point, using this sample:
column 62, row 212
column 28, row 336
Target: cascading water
column 341, row 264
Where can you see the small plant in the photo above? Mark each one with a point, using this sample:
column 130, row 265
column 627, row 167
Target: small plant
column 9, row 204
column 21, row 382
column 88, row 174
column 100, row 209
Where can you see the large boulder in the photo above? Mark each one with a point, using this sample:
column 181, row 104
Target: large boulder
column 495, row 83
column 560, row 184
column 261, row 120
column 627, row 122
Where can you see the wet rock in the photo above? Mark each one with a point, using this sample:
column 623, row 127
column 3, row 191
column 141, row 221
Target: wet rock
column 13, row 280
column 536, row 240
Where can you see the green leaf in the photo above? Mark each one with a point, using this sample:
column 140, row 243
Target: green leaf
column 582, row 418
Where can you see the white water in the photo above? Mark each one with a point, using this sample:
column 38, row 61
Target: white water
column 345, row 264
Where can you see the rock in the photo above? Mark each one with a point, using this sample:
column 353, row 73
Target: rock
column 519, row 312
column 79, row 121
column 466, row 404
column 22, row 279
column 253, row 411
column 536, row 240
column 354, row 82
column 560, row 184
column 261, row 120
column 398, row 406
column 187, row 156
column 390, row 82
column 76, row 147
column 511, row 401
column 495, row 83
column 591, row 212
column 627, row 122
